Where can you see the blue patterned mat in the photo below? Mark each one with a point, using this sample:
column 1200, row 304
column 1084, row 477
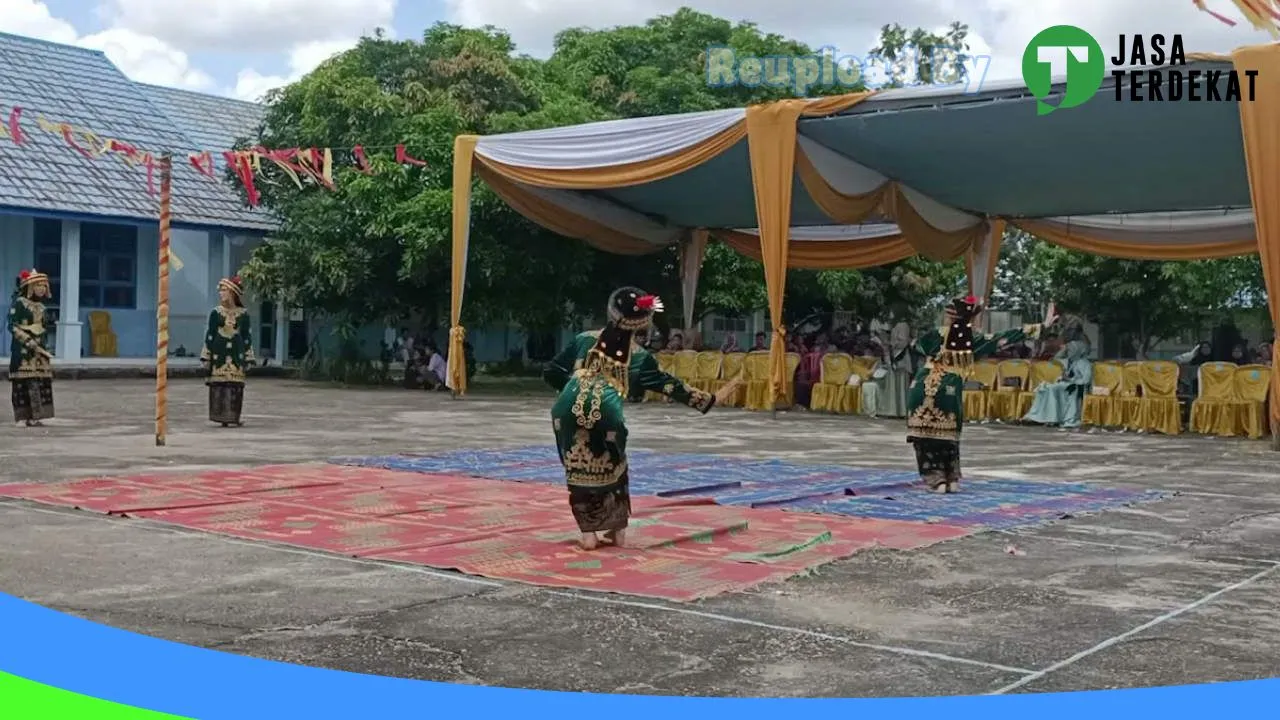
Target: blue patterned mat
column 989, row 504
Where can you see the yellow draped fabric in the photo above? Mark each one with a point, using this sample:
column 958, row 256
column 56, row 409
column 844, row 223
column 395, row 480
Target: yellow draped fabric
column 685, row 365
column 771, row 143
column 1003, row 402
column 707, row 365
column 1213, row 411
column 729, row 369
column 1260, row 127
column 826, row 254
column 1160, row 411
column 1102, row 404
column 842, row 208
column 464, row 147
column 1131, row 395
column 1078, row 237
column 833, row 393
column 983, row 372
column 758, row 388
column 1250, row 386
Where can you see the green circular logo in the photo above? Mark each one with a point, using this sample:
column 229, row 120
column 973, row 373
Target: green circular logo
column 1063, row 50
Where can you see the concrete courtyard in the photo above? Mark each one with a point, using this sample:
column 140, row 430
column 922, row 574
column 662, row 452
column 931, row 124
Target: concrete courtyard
column 1180, row 591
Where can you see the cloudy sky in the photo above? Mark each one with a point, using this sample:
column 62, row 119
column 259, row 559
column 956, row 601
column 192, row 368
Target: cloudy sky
column 244, row 47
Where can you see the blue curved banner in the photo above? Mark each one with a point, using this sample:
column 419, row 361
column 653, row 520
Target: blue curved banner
column 56, row 650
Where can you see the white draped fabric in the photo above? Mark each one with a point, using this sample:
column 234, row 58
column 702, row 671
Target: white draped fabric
column 609, row 214
column 820, row 233
column 848, row 177
column 607, row 144
column 983, row 252
column 1187, row 227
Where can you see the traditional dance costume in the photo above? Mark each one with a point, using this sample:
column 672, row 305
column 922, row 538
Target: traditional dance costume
column 935, row 400
column 593, row 376
column 30, row 361
column 228, row 350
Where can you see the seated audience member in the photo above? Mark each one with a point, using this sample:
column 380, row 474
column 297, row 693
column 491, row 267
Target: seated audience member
column 1240, row 354
column 436, row 371
column 676, row 343
column 730, row 344
column 760, row 343
column 1061, row 403
column 1263, row 354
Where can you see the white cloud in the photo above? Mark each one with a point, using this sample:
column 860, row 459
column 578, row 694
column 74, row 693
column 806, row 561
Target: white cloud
column 249, row 25
column 999, row 28
column 140, row 57
column 252, row 85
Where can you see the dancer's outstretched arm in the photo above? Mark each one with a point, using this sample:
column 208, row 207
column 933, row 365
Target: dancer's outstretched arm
column 651, row 378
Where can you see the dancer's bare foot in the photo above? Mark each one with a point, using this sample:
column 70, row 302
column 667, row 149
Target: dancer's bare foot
column 590, row 541
column 940, row 488
column 617, row 537
column 953, row 486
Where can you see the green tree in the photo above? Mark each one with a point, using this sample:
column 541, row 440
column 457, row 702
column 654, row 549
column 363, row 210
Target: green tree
column 918, row 56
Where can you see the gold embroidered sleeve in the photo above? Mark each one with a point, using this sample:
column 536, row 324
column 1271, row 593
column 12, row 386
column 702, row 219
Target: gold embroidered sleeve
column 651, row 378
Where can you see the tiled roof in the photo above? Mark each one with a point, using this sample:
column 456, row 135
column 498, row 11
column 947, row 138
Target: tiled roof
column 211, row 121
column 66, row 84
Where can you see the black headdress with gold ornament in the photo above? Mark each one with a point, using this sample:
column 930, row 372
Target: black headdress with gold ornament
column 28, row 279
column 234, row 286
column 630, row 310
column 957, row 342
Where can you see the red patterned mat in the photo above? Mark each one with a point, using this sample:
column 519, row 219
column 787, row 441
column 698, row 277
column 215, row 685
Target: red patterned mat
column 678, row 548
column 109, row 495
column 313, row 529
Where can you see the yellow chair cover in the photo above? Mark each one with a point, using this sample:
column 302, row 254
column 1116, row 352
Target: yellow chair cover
column 666, row 362
column 1251, row 384
column 707, row 370
column 685, row 366
column 1160, row 411
column 757, row 367
column 1213, row 411
column 1130, row 398
column 975, row 401
column 789, row 390
column 730, row 369
column 1104, row 410
column 832, row 393
column 1003, row 403
column 103, row 341
column 1042, row 371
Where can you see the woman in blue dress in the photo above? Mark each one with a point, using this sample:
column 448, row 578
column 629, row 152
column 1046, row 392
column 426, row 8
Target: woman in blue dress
column 1061, row 403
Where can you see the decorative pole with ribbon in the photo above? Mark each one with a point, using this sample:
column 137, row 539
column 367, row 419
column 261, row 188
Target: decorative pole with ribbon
column 162, row 302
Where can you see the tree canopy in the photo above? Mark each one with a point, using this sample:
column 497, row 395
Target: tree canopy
column 377, row 248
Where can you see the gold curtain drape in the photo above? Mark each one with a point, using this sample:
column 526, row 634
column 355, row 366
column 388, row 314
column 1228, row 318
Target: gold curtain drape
column 1260, row 126
column 1078, row 237
column 826, row 254
column 771, row 142
column 464, row 150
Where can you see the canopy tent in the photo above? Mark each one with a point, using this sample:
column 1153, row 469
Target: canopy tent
column 865, row 179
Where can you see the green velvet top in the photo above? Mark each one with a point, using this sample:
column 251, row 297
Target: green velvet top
column 228, row 344
column 31, row 331
column 935, row 400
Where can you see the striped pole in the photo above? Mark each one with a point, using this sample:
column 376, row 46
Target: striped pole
column 162, row 303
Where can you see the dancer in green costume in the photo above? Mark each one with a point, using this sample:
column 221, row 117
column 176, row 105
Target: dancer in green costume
column 593, row 376
column 228, row 351
column 935, row 400
column 30, row 361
